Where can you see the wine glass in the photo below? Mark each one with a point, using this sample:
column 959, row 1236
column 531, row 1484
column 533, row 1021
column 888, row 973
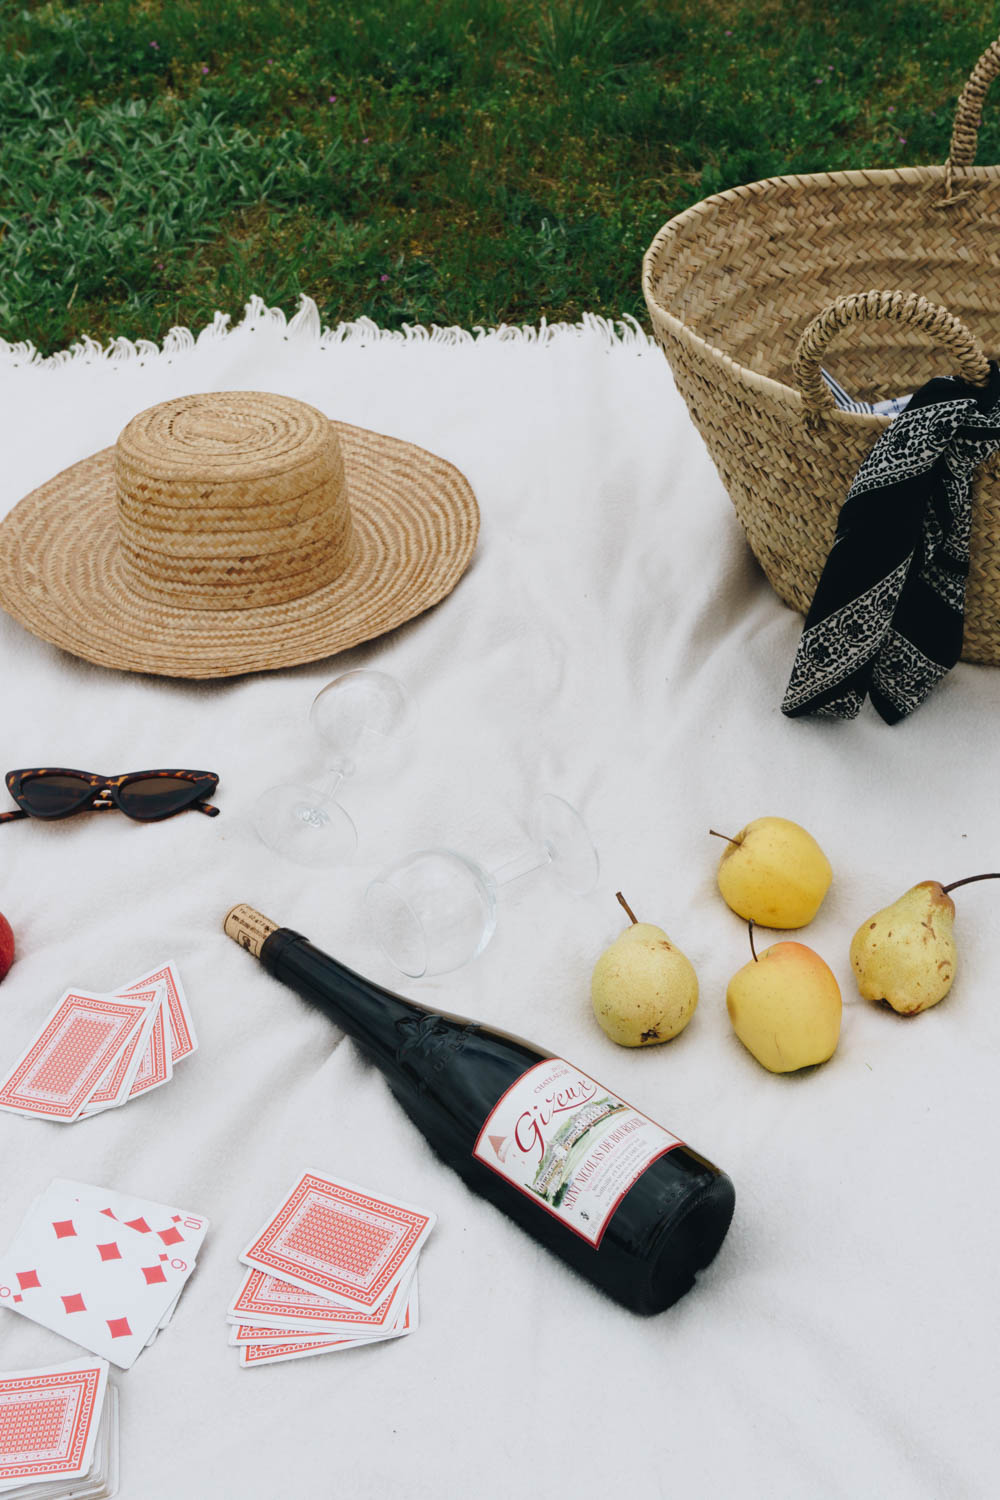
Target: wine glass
column 361, row 716
column 436, row 910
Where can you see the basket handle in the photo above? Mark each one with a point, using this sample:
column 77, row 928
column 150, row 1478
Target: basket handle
column 898, row 307
column 968, row 118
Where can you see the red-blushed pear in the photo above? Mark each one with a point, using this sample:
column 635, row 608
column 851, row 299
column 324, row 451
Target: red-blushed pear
column 6, row 945
column 644, row 990
column 785, row 1007
column 905, row 954
column 773, row 873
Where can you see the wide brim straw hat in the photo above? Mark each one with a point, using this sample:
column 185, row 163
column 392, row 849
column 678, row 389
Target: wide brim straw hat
column 232, row 532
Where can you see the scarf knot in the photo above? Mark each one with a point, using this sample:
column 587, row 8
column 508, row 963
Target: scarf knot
column 887, row 617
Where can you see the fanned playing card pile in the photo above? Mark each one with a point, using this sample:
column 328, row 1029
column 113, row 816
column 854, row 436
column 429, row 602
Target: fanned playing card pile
column 102, row 1268
column 333, row 1267
column 59, row 1433
column 96, row 1052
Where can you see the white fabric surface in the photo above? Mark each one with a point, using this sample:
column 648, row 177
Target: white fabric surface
column 614, row 642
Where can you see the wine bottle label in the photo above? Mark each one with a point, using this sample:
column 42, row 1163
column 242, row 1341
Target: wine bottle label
column 564, row 1140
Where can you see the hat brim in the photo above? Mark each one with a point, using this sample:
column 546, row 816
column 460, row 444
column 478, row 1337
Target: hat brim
column 415, row 524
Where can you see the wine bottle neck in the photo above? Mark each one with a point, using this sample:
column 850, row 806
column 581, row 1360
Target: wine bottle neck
column 366, row 1011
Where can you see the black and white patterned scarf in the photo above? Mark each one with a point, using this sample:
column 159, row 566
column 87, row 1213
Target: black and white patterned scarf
column 887, row 617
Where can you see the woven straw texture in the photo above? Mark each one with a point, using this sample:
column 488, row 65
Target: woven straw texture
column 235, row 532
column 751, row 290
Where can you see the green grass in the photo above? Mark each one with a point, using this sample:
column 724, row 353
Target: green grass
column 448, row 161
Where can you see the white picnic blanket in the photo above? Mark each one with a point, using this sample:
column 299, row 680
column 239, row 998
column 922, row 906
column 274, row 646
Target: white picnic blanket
column 613, row 642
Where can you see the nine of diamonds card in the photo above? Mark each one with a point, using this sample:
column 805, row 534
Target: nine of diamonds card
column 102, row 1268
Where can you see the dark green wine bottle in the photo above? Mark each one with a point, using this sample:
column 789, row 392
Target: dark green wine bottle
column 613, row 1194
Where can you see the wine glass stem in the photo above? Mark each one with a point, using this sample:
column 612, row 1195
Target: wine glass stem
column 532, row 859
column 328, row 784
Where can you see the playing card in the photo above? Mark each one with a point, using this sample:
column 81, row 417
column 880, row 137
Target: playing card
column 49, row 1421
column 258, row 1333
column 100, row 1267
column 166, row 1317
column 116, row 1084
column 80, row 1277
column 156, row 1065
column 275, row 1354
column 178, row 1230
column 56, row 1075
column 182, row 1036
column 267, row 1301
column 104, row 1469
column 272, row 1349
column 250, row 1333
column 331, row 1237
column 100, row 1481
column 409, row 1318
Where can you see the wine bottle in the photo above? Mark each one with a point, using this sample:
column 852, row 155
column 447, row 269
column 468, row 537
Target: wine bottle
column 616, row 1196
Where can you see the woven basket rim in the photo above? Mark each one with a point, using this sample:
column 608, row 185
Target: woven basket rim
column 853, row 177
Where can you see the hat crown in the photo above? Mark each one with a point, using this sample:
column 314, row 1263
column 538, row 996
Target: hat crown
column 231, row 500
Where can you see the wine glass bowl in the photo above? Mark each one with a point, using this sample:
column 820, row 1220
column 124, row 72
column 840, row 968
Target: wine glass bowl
column 435, row 910
column 432, row 911
column 361, row 717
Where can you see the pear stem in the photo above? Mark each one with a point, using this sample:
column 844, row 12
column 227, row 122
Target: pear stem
column 969, row 880
column 723, row 836
column 753, row 950
column 631, row 913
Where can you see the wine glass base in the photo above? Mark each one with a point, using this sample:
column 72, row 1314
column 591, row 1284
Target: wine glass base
column 304, row 826
column 560, row 831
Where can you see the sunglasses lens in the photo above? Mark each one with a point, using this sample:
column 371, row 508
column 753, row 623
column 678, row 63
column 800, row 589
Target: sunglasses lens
column 157, row 796
column 49, row 796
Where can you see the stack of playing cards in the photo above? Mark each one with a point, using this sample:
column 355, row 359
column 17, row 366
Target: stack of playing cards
column 333, row 1267
column 59, row 1433
column 98, row 1051
column 102, row 1268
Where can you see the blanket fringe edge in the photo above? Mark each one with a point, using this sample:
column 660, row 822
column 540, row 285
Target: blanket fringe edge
column 305, row 326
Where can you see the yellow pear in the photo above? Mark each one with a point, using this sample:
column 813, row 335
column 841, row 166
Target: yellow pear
column 644, row 990
column 905, row 953
column 774, row 873
column 785, row 1007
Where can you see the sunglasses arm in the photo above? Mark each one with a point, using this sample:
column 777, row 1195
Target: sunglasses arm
column 203, row 807
column 9, row 817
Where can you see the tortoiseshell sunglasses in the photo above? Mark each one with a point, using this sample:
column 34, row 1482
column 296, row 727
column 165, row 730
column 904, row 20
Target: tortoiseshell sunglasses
column 146, row 796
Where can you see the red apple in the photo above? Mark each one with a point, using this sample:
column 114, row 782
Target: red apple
column 6, row 945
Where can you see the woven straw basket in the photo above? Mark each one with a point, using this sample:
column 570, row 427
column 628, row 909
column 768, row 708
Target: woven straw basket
column 749, row 288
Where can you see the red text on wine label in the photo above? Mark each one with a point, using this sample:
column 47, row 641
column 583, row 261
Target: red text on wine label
column 529, row 1132
column 569, row 1144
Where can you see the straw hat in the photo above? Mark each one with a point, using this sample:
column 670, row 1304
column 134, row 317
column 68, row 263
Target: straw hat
column 235, row 532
